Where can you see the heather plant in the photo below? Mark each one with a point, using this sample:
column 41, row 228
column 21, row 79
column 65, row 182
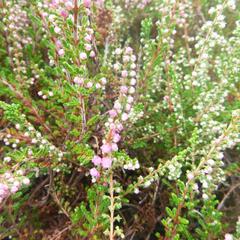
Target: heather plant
column 119, row 119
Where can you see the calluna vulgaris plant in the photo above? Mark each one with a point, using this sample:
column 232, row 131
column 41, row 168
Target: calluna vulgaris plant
column 119, row 119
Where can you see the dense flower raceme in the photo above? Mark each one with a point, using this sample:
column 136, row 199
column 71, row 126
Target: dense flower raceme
column 121, row 108
column 10, row 184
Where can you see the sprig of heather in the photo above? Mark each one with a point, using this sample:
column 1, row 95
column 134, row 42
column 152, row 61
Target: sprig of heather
column 120, row 111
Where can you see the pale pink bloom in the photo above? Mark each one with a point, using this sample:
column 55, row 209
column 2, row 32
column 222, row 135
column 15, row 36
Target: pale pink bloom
column 126, row 58
column 87, row 3
column 103, row 80
column 117, row 105
column 94, row 173
column 100, row 3
column 78, row 80
column 133, row 58
column 106, row 148
column 131, row 90
column 112, row 126
column 98, row 85
column 88, row 38
column 132, row 73
column 58, row 44
column 106, row 162
column 130, row 99
column 26, row 181
column 92, row 54
column 116, row 137
column 16, row 183
column 133, row 66
column 166, row 98
column 14, row 189
column 89, row 84
column 119, row 127
column 118, row 51
column 112, row 113
column 128, row 107
column 83, row 56
column 61, row 52
column 124, row 89
column 55, row 3
column 96, row 160
column 124, row 73
column 3, row 190
column 116, row 67
column 88, row 47
column 64, row 13
column 129, row 50
column 228, row 236
column 133, row 81
column 57, row 30
column 114, row 147
column 124, row 117
column 69, row 5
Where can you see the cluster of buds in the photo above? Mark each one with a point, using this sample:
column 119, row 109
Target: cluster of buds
column 88, row 3
column 16, row 32
column 62, row 7
column 56, row 12
column 120, row 111
column 137, row 4
column 10, row 184
column 83, row 82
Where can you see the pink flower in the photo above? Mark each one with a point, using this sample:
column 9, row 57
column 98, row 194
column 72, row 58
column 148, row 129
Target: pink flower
column 106, row 162
column 126, row 58
column 3, row 190
column 64, row 14
column 87, row 3
column 133, row 81
column 128, row 107
column 61, row 52
column 228, row 236
column 124, row 73
column 26, row 181
column 131, row 90
column 112, row 113
column 106, row 148
column 94, row 173
column 133, row 73
column 119, row 127
column 130, row 99
column 118, row 51
column 88, row 47
column 88, row 38
column 54, row 3
column 57, row 30
column 92, row 54
column 117, row 105
column 103, row 80
column 89, row 84
column 96, row 160
column 124, row 116
column 69, row 5
column 114, row 147
column 58, row 44
column 129, row 50
column 124, row 89
column 99, row 3
column 83, row 56
column 78, row 80
column 166, row 98
column 116, row 137
column 14, row 189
